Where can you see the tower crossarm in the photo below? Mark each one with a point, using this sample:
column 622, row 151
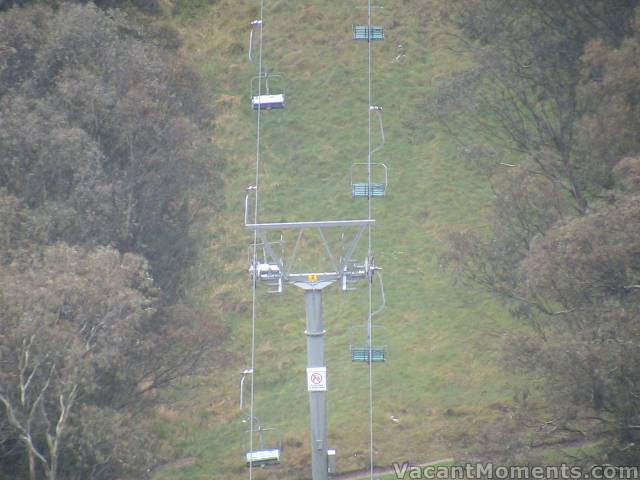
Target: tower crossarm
column 340, row 266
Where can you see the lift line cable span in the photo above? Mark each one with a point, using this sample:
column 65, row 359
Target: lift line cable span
column 369, row 248
column 314, row 283
column 255, row 246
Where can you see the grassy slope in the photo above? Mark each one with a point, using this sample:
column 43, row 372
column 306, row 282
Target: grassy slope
column 442, row 340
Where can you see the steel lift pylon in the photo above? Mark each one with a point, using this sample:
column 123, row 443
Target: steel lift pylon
column 343, row 271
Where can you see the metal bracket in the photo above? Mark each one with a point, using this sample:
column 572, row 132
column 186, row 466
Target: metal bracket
column 274, row 268
column 360, row 272
column 378, row 111
column 255, row 24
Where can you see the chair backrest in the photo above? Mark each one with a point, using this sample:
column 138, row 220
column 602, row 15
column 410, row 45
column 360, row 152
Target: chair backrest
column 263, row 457
column 361, row 32
column 360, row 180
column 267, row 91
column 361, row 354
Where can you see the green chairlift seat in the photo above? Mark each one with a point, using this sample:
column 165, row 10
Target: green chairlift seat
column 358, row 348
column 360, row 183
column 362, row 32
column 361, row 354
column 362, row 189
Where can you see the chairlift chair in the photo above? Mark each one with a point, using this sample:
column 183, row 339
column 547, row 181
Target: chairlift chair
column 360, row 180
column 359, row 351
column 273, row 95
column 361, row 354
column 363, row 32
column 261, row 456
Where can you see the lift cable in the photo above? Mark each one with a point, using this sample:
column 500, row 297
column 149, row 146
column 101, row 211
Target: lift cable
column 255, row 245
column 369, row 250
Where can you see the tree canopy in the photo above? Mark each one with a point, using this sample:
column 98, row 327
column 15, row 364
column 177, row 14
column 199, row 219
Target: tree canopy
column 107, row 165
column 553, row 92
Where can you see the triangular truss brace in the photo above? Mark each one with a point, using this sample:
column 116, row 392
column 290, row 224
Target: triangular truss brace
column 342, row 266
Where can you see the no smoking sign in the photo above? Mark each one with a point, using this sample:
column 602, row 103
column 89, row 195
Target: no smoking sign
column 317, row 379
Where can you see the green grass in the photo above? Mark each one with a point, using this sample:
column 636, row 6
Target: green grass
column 443, row 341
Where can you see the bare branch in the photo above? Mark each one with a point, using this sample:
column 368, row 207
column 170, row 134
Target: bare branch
column 25, row 433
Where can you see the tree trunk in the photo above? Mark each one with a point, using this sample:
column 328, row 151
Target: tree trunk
column 32, row 465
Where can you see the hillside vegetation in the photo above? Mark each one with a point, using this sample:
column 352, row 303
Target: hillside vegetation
column 442, row 380
column 105, row 164
column 498, row 171
column 508, row 239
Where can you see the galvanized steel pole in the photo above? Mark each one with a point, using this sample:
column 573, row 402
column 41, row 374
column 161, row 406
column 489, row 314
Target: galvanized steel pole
column 317, row 399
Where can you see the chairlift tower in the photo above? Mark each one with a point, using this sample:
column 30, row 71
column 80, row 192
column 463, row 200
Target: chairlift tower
column 272, row 269
column 343, row 271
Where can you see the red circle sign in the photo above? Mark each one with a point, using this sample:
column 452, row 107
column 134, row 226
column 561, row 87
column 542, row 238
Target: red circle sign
column 316, row 378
